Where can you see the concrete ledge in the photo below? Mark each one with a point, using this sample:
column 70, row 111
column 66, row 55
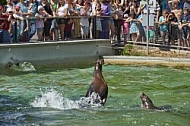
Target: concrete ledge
column 64, row 52
column 141, row 60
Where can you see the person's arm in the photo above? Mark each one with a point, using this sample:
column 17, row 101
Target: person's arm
column 53, row 12
column 37, row 16
column 107, row 12
column 126, row 9
column 18, row 17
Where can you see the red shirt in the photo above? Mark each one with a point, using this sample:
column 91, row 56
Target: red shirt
column 6, row 24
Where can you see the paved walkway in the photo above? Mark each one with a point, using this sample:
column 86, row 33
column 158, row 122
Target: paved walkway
column 150, row 61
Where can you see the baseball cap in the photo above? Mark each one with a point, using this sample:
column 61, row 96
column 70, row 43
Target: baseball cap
column 87, row 2
column 17, row 7
column 40, row 7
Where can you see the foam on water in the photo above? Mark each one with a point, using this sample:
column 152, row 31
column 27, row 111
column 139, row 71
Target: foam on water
column 25, row 66
column 53, row 99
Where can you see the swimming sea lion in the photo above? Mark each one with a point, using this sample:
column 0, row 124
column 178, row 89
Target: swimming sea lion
column 147, row 102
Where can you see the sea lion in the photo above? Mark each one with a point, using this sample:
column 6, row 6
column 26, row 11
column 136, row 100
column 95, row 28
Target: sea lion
column 147, row 102
column 98, row 84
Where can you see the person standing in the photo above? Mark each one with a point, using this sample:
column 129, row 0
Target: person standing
column 163, row 21
column 5, row 24
column 84, row 22
column 24, row 23
column 54, row 27
column 61, row 12
column 40, row 23
column 97, row 13
column 106, row 10
column 183, row 25
column 48, row 10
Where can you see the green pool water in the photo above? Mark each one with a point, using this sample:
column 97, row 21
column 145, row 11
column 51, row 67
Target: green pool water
column 50, row 96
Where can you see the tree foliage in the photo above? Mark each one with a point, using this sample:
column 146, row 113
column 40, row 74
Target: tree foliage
column 2, row 2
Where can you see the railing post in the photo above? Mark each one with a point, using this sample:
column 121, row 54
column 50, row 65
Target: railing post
column 15, row 28
column 169, row 32
column 94, row 27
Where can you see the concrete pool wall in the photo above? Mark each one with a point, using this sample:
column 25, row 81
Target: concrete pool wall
column 45, row 53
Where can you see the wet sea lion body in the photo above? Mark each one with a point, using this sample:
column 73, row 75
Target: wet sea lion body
column 98, row 84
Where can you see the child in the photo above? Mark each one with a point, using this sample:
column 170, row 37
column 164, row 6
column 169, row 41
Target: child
column 97, row 12
column 84, row 22
column 179, row 32
column 40, row 23
column 163, row 25
column 134, row 30
column 183, row 25
column 126, row 27
column 5, row 24
column 68, row 29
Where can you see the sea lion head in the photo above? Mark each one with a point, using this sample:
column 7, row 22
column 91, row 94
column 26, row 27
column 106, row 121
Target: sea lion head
column 146, row 102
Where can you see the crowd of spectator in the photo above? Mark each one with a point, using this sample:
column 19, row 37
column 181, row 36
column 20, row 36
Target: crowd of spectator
column 72, row 19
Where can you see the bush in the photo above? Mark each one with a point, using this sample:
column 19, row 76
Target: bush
column 131, row 50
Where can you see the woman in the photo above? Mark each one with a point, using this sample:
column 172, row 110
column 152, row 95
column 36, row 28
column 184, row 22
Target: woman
column 53, row 29
column 48, row 10
column 61, row 12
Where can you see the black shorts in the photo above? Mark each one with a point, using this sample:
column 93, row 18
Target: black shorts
column 61, row 21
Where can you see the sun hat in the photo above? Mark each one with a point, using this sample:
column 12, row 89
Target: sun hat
column 40, row 7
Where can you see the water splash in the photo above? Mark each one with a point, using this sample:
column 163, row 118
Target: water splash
column 25, row 66
column 53, row 99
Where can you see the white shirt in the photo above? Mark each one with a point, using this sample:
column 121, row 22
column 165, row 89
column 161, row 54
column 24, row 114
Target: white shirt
column 84, row 21
column 61, row 10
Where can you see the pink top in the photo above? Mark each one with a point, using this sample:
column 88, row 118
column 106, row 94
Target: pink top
column 126, row 27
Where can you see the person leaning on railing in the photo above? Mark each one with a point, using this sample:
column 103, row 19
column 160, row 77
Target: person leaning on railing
column 183, row 26
column 70, row 12
column 84, row 21
column 48, row 10
column 163, row 25
column 40, row 23
column 5, row 24
column 173, row 28
column 97, row 13
column 54, row 26
column 105, row 16
column 61, row 13
column 17, row 24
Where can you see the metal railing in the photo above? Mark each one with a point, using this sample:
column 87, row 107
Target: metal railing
column 155, row 40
